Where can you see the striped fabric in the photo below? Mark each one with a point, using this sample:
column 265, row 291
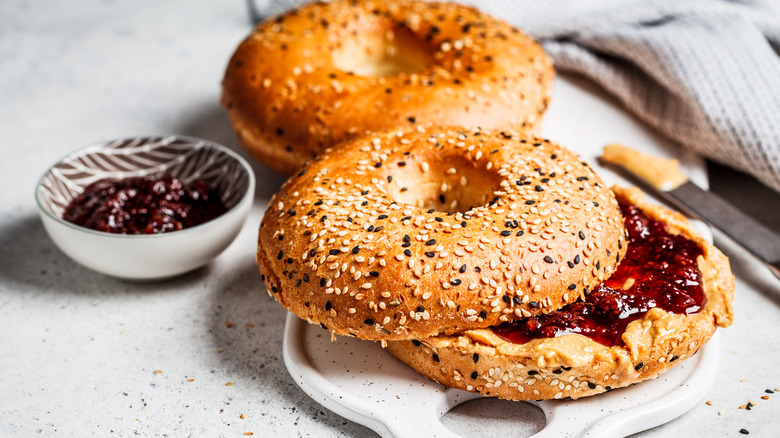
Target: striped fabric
column 705, row 73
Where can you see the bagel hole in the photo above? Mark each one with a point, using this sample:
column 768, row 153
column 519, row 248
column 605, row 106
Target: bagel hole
column 383, row 52
column 494, row 418
column 444, row 183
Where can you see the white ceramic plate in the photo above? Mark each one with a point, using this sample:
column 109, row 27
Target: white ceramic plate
column 364, row 383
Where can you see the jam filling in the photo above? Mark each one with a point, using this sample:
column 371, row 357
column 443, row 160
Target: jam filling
column 146, row 205
column 658, row 270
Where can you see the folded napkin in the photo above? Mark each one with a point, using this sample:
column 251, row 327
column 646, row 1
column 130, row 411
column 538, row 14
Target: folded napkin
column 705, row 73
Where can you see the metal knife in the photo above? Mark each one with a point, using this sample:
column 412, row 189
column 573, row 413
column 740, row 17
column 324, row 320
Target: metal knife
column 664, row 178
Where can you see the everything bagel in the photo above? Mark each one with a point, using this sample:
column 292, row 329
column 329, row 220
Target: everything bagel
column 327, row 72
column 410, row 233
column 576, row 365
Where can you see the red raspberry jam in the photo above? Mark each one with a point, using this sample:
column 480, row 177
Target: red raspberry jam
column 146, row 205
column 658, row 270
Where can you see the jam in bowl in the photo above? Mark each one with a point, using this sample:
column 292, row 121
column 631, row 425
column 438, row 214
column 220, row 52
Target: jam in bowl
column 148, row 207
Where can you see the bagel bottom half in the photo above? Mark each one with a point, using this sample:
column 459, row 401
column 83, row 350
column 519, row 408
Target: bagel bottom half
column 573, row 365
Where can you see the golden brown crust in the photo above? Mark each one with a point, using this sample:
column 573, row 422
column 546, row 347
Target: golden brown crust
column 290, row 95
column 573, row 365
column 361, row 240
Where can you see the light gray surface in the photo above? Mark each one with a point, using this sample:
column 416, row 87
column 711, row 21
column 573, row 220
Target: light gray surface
column 79, row 351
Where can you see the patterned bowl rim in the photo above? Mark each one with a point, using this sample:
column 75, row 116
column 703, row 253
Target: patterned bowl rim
column 101, row 144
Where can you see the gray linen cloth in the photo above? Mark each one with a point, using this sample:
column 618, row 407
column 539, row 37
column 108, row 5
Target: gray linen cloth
column 705, row 73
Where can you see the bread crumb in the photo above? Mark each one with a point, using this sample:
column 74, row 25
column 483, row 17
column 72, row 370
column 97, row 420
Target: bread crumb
column 709, row 402
column 229, row 384
column 158, row 371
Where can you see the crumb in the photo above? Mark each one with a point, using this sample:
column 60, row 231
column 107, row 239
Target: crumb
column 250, row 325
column 765, row 397
column 190, row 380
column 242, row 416
column 158, row 371
column 721, row 412
column 229, row 384
column 708, row 402
column 228, row 324
column 248, row 433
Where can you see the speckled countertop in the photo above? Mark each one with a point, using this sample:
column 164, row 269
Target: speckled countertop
column 82, row 354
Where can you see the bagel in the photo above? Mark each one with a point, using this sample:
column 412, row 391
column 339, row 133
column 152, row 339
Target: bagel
column 407, row 234
column 326, row 72
column 573, row 365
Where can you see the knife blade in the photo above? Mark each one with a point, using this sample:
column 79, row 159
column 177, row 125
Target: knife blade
column 663, row 178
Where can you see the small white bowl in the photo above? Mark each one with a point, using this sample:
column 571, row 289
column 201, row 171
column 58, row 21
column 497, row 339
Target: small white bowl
column 155, row 256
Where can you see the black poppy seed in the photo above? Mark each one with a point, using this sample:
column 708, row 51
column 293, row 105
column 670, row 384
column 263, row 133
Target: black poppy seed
column 430, row 254
column 520, row 233
column 302, row 172
column 533, row 373
column 517, row 300
column 305, row 278
column 411, row 119
column 548, row 259
column 463, row 224
column 420, row 309
column 566, row 368
column 364, row 192
column 455, row 282
column 406, row 245
column 405, row 218
column 431, row 210
column 591, row 385
column 557, row 371
column 307, row 233
column 571, row 265
column 598, row 264
column 355, row 249
column 483, row 314
column 289, row 261
column 431, row 242
column 382, row 216
column 545, row 180
column 463, row 269
column 370, row 228
column 539, row 188
column 769, row 391
column 474, row 375
column 533, row 304
column 529, row 202
column 389, row 178
column 582, row 178
column 439, row 219
column 674, row 358
column 324, row 218
column 435, row 357
column 378, row 164
column 572, row 286
column 369, row 321
column 307, row 304
column 273, row 289
column 328, row 306
column 322, row 282
column 639, row 366
column 577, row 259
column 374, row 273
column 379, row 228
column 280, row 255
column 608, row 388
column 312, row 252
column 416, row 343
column 334, row 252
column 401, row 163
column 298, row 283
column 582, row 235
column 620, row 244
column 506, row 233
column 319, row 202
column 477, row 269
column 475, row 357
column 408, row 253
column 744, row 432
column 280, row 237
column 279, row 132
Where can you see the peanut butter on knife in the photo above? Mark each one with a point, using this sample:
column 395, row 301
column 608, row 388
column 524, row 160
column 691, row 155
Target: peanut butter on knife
column 662, row 173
